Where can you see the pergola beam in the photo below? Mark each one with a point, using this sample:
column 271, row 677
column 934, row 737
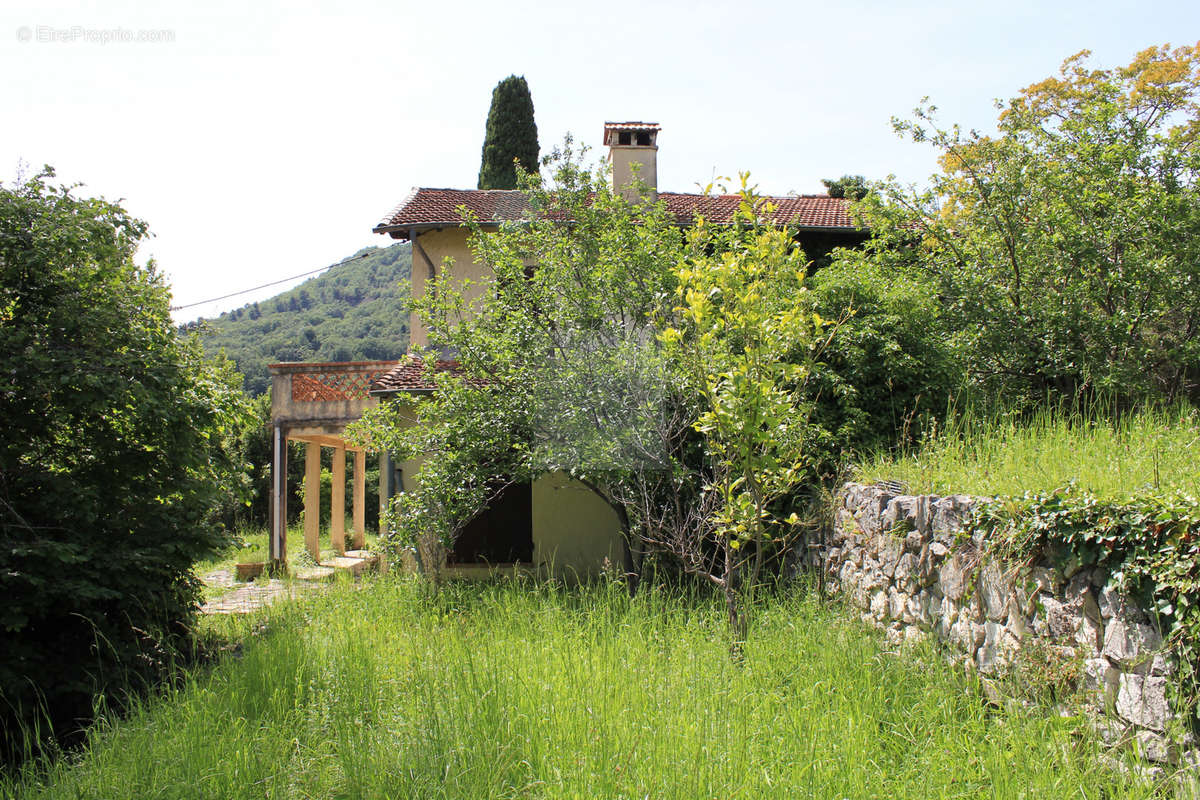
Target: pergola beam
column 323, row 439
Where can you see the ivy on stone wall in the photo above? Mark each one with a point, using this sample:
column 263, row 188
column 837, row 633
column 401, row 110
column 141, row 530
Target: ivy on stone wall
column 1149, row 546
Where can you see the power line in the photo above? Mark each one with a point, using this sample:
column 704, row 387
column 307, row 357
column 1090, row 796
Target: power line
column 272, row 283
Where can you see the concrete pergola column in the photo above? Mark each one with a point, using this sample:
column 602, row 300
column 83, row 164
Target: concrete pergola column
column 337, row 508
column 277, row 544
column 360, row 499
column 312, row 499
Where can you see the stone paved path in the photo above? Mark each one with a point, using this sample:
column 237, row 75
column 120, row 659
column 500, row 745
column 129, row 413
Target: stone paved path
column 243, row 598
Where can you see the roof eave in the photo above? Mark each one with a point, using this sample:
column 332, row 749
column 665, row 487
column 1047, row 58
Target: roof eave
column 406, row 230
column 383, row 392
column 832, row 228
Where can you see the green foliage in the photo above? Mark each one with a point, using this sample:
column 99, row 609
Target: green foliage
column 514, row 689
column 1149, row 545
column 889, row 370
column 664, row 372
column 1067, row 248
column 354, row 312
column 852, row 187
column 473, row 437
column 251, row 440
column 117, row 458
column 743, row 338
column 511, row 135
column 514, row 413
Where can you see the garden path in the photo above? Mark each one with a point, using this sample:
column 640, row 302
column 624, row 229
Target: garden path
column 245, row 598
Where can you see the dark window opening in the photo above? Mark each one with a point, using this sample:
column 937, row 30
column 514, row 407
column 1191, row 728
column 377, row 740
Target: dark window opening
column 500, row 534
column 643, row 138
column 624, row 137
column 397, row 481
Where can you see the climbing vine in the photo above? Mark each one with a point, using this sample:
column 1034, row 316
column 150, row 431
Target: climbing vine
column 1148, row 545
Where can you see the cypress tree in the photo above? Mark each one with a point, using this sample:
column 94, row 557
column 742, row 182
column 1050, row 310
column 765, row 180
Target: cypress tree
column 511, row 134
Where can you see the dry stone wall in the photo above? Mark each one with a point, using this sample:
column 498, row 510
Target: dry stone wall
column 913, row 565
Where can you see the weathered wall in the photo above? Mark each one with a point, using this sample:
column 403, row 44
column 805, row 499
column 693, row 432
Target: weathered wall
column 910, row 564
column 624, row 158
column 437, row 246
column 408, row 468
column 574, row 531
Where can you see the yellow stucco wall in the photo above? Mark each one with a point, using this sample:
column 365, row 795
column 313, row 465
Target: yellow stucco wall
column 438, row 246
column 574, row 531
column 409, row 467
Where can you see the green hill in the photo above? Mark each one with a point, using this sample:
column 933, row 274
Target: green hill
column 353, row 312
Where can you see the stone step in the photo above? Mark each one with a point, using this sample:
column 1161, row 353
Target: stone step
column 354, row 562
column 322, row 572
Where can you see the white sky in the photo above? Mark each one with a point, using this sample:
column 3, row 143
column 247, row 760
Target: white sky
column 266, row 139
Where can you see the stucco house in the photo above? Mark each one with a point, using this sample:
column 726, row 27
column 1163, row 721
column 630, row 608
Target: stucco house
column 555, row 522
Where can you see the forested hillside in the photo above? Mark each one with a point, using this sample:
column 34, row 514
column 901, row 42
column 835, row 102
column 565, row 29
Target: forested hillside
column 353, row 312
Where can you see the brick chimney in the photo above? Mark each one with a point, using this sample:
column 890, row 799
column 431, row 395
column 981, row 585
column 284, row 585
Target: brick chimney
column 632, row 143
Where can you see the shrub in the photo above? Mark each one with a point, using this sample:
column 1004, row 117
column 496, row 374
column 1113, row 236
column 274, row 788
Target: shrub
column 115, row 461
column 1065, row 248
column 888, row 369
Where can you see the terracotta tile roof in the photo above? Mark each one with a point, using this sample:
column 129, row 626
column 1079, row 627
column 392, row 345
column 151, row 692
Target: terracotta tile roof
column 439, row 208
column 805, row 211
column 409, row 376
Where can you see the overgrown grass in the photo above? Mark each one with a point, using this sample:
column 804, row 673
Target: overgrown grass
column 1149, row 451
column 518, row 689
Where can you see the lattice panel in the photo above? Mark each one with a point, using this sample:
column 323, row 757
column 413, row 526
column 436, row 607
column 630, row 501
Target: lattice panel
column 332, row 385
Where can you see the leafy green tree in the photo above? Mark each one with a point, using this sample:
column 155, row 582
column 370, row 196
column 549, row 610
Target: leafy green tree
column 743, row 338
column 511, row 135
column 116, row 459
column 648, row 365
column 851, row 187
column 1066, row 248
column 559, row 365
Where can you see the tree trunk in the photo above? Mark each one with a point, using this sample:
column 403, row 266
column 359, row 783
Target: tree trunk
column 734, row 607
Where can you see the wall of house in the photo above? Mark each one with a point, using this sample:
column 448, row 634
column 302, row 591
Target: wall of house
column 913, row 565
column 408, row 467
column 439, row 245
column 574, row 531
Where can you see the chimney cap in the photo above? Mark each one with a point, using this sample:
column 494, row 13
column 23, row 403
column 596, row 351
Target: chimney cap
column 631, row 134
column 631, row 126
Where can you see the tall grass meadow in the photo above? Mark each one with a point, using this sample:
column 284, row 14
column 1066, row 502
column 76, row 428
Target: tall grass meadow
column 1113, row 456
column 393, row 688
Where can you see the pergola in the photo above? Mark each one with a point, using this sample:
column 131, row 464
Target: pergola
column 313, row 403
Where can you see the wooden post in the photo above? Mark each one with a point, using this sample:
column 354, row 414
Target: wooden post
column 277, row 547
column 360, row 499
column 337, row 507
column 312, row 499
